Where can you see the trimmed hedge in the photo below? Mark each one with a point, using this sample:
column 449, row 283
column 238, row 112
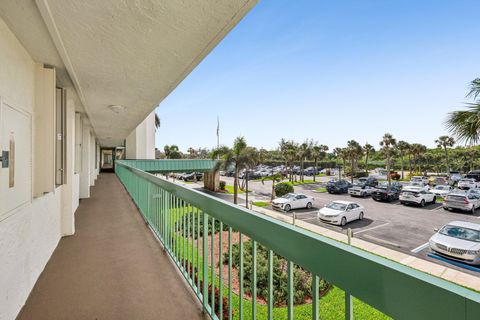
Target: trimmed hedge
column 283, row 188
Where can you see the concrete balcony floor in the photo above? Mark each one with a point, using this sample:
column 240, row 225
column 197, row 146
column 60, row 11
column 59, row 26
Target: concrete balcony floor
column 112, row 268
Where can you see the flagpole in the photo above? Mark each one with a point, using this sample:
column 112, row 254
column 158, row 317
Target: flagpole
column 218, row 132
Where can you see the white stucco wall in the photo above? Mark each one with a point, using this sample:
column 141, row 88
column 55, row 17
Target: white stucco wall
column 140, row 144
column 30, row 233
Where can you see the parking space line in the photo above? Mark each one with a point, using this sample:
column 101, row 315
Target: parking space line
column 382, row 241
column 372, row 228
column 420, row 248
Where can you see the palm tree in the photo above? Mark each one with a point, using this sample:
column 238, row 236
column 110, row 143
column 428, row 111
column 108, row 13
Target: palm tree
column 275, row 177
column 445, row 142
column 417, row 150
column 237, row 156
column 403, row 148
column 318, row 152
column 354, row 151
column 303, row 152
column 288, row 150
column 465, row 124
column 341, row 153
column 172, row 152
column 388, row 144
column 250, row 158
column 368, row 149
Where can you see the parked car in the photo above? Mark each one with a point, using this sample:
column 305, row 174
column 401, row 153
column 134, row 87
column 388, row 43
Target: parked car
column 474, row 191
column 420, row 179
column 369, row 181
column 455, row 176
column 310, row 171
column 191, row 176
column 475, row 174
column 384, row 192
column 438, row 181
column 418, row 196
column 441, row 190
column 338, row 186
column 467, row 183
column 292, row 201
column 458, row 240
column 360, row 190
column 415, row 186
column 341, row 212
column 461, row 201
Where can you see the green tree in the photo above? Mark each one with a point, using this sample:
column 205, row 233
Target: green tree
column 417, row 151
column 303, row 152
column 445, row 142
column 388, row 143
column 354, row 151
column 403, row 148
column 465, row 124
column 368, row 150
column 236, row 157
column 318, row 151
column 341, row 153
column 172, row 152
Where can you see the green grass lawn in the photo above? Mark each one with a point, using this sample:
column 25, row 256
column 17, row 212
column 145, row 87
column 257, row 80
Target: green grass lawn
column 261, row 203
column 322, row 190
column 439, row 200
column 230, row 190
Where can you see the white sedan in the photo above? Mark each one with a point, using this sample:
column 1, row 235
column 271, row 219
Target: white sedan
column 293, row 201
column 341, row 212
column 467, row 183
column 441, row 190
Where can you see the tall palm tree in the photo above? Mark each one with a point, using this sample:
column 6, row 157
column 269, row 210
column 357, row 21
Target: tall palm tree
column 250, row 159
column 341, row 153
column 354, row 152
column 288, row 150
column 172, row 152
column 445, row 142
column 388, row 145
column 417, row 150
column 237, row 156
column 465, row 124
column 303, row 152
column 403, row 148
column 318, row 151
column 368, row 149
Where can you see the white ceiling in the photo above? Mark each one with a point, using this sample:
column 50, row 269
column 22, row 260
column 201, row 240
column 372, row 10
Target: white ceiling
column 122, row 52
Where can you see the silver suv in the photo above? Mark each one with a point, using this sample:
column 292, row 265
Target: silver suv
column 461, row 201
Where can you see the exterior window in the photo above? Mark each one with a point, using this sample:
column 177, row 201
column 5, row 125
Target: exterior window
column 60, row 139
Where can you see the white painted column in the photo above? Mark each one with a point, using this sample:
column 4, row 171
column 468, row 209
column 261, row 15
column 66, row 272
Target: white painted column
column 86, row 150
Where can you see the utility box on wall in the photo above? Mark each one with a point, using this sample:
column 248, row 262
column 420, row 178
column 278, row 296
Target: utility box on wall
column 16, row 171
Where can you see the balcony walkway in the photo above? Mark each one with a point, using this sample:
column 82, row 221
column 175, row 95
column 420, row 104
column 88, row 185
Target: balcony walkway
column 112, row 268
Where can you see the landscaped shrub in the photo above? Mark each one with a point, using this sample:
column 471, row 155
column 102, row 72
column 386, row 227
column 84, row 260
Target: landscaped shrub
column 302, row 279
column 283, row 188
column 361, row 174
column 222, row 184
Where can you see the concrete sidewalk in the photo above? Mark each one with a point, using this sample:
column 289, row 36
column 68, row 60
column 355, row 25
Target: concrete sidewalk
column 112, row 268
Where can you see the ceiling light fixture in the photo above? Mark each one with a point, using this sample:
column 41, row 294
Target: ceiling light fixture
column 117, row 108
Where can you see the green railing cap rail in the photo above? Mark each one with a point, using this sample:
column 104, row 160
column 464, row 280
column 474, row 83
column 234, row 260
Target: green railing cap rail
column 395, row 289
column 171, row 165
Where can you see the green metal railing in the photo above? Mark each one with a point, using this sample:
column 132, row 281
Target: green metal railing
column 181, row 217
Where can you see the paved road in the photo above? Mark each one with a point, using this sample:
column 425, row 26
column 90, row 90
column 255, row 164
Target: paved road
column 403, row 228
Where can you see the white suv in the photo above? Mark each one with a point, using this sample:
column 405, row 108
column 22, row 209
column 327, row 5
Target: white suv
column 418, row 196
column 420, row 179
column 467, row 183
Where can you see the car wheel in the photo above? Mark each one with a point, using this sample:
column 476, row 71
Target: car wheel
column 309, row 205
column 422, row 203
column 360, row 216
column 344, row 221
column 287, row 208
column 389, row 198
column 445, row 208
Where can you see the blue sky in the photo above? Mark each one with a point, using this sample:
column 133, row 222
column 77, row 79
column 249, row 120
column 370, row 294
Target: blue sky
column 329, row 71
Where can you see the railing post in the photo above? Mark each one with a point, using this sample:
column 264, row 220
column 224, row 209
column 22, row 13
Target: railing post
column 348, row 297
column 205, row 261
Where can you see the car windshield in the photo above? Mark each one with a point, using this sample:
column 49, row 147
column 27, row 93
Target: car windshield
column 441, row 188
column 337, row 206
column 289, row 196
column 461, row 233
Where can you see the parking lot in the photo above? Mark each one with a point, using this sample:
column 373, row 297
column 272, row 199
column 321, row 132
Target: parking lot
column 393, row 225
